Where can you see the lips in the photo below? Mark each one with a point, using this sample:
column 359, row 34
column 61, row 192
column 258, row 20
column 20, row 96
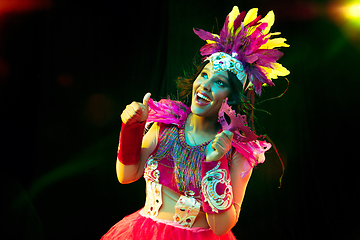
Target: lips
column 201, row 98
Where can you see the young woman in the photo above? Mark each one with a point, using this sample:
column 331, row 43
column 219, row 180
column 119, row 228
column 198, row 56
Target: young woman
column 195, row 162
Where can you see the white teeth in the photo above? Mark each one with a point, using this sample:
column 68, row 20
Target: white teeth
column 203, row 97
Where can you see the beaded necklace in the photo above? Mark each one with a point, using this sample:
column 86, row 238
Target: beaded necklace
column 186, row 159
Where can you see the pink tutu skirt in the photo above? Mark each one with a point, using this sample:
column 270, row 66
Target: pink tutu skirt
column 140, row 227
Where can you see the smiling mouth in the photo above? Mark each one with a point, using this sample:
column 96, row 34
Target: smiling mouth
column 202, row 99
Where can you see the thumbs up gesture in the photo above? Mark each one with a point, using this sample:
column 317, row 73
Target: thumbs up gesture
column 136, row 111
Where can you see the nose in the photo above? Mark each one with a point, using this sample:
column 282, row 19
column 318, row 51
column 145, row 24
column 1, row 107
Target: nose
column 206, row 85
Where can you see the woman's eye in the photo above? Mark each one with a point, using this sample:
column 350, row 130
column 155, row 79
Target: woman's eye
column 220, row 83
column 204, row 75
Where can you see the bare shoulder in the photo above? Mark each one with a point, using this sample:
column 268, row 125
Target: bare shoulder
column 240, row 167
column 239, row 161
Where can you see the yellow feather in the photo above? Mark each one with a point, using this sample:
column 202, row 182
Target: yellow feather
column 274, row 43
column 280, row 70
column 238, row 30
column 272, row 34
column 251, row 30
column 232, row 16
column 210, row 41
column 270, row 19
column 250, row 16
column 214, row 36
column 277, row 70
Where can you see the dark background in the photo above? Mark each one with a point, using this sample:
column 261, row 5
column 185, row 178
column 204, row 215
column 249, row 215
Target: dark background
column 68, row 68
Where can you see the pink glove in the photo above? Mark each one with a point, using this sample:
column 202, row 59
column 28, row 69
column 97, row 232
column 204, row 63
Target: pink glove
column 132, row 130
column 130, row 143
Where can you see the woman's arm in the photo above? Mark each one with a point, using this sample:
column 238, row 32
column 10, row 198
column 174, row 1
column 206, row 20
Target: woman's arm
column 133, row 147
column 222, row 215
column 130, row 173
column 221, row 223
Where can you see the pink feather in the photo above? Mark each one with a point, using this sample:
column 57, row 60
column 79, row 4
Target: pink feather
column 168, row 111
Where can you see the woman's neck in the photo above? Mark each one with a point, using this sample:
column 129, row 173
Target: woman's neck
column 200, row 129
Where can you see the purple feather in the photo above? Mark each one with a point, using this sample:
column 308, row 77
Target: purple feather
column 258, row 78
column 204, row 35
column 210, row 48
column 272, row 54
column 238, row 20
column 246, row 46
column 251, row 58
column 224, row 33
column 255, row 21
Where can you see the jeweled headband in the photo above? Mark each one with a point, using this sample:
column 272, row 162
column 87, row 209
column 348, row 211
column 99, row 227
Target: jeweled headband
column 245, row 48
column 222, row 61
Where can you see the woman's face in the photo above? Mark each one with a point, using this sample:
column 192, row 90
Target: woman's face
column 209, row 91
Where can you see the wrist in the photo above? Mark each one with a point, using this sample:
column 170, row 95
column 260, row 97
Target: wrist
column 212, row 159
column 130, row 142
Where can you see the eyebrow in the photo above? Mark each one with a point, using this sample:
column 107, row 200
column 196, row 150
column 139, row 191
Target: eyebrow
column 224, row 77
column 220, row 75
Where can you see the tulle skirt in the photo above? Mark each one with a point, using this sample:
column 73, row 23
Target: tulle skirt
column 140, row 227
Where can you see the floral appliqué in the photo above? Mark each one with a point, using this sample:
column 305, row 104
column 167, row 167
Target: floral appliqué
column 209, row 183
column 153, row 187
column 186, row 211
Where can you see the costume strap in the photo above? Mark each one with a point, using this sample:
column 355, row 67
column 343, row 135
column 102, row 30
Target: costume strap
column 217, row 194
column 130, row 143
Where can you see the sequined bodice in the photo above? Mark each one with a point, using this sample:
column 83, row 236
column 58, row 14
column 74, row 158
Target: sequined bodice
column 178, row 162
column 172, row 164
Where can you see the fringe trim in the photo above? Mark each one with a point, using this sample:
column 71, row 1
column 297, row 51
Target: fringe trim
column 186, row 160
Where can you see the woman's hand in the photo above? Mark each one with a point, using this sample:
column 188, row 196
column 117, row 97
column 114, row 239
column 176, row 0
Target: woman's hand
column 136, row 111
column 218, row 147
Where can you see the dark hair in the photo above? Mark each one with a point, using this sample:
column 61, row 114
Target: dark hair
column 237, row 100
column 185, row 84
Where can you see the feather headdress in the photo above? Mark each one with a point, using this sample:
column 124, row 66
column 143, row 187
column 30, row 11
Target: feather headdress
column 246, row 39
